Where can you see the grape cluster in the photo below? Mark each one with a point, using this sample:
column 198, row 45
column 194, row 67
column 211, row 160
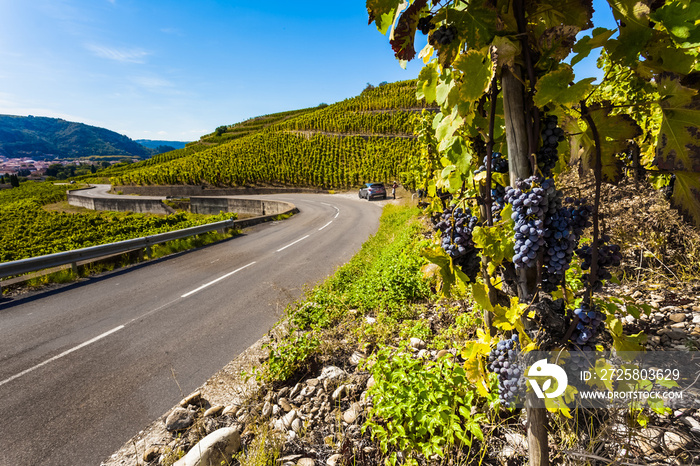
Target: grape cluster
column 499, row 164
column 560, row 243
column 444, row 35
column 456, row 225
column 580, row 359
column 581, row 213
column 503, row 362
column 530, row 200
column 609, row 255
column 563, row 229
column 588, row 322
column 425, row 24
column 498, row 200
column 547, row 156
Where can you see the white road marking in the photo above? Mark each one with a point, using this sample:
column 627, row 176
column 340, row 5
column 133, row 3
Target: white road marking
column 215, row 281
column 292, row 244
column 59, row 356
column 324, row 226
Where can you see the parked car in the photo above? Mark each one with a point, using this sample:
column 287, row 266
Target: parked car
column 372, row 190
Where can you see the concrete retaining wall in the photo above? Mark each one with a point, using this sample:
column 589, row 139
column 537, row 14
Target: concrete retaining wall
column 214, row 205
column 199, row 205
column 189, row 191
column 130, row 204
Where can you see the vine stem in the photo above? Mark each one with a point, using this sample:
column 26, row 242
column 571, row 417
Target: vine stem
column 489, row 149
column 493, row 294
column 598, row 173
column 532, row 111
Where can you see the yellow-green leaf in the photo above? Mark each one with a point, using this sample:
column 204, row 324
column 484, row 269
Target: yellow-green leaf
column 478, row 70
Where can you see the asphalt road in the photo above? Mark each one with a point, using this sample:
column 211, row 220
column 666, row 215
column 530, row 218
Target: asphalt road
column 85, row 367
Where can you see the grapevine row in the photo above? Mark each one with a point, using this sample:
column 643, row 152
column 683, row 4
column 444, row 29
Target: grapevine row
column 271, row 157
column 30, row 231
column 331, row 119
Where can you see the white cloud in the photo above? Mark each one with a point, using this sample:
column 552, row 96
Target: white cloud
column 134, row 55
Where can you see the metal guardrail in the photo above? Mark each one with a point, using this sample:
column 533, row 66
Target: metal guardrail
column 19, row 267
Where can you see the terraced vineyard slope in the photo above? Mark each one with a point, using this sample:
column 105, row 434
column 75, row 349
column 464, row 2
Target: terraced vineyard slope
column 368, row 137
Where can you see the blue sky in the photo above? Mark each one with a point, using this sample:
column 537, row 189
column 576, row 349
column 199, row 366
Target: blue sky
column 174, row 70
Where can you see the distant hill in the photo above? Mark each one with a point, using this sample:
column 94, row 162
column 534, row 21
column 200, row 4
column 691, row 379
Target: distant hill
column 43, row 137
column 151, row 144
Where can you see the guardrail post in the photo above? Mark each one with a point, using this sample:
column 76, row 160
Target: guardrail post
column 149, row 252
column 74, row 267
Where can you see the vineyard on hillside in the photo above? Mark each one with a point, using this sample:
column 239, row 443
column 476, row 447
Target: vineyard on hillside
column 368, row 137
column 290, row 159
column 30, row 231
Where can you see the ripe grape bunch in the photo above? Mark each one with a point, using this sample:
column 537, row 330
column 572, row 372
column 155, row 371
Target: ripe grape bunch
column 499, row 164
column 581, row 213
column 444, row 35
column 456, row 226
column 503, row 362
column 609, row 255
column 530, row 200
column 588, row 322
column 547, row 156
column 425, row 24
column 563, row 230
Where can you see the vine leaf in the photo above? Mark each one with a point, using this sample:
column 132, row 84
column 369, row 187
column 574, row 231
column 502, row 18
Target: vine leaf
column 505, row 51
column 450, row 276
column 679, row 138
column 614, row 131
column 476, row 23
column 404, row 35
column 583, row 47
column 427, row 83
column 662, row 55
column 686, row 195
column 383, row 13
column 634, row 29
column 478, row 72
column 679, row 18
column 495, row 242
column 552, row 13
column 554, row 87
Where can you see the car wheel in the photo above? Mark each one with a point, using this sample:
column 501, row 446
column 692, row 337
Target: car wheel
column 384, row 197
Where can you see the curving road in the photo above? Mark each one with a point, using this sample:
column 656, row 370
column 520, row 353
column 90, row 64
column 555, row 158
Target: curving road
column 83, row 368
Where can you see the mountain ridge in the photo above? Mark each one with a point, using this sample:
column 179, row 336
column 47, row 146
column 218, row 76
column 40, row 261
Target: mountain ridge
column 49, row 138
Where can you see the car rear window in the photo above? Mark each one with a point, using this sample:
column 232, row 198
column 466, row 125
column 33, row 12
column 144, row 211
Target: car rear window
column 376, row 185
